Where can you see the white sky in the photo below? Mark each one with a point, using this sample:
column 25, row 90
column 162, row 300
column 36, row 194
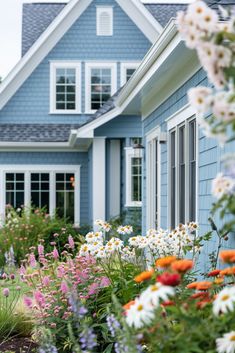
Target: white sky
column 10, row 30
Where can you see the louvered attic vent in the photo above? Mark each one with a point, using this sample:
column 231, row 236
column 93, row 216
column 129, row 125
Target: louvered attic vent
column 104, row 18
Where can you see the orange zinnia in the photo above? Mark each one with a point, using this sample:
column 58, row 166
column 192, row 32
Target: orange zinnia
column 144, row 276
column 229, row 271
column 227, row 256
column 128, row 305
column 192, row 285
column 213, row 273
column 182, row 266
column 165, row 261
column 204, row 285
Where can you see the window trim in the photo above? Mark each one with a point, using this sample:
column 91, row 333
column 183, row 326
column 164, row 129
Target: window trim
column 183, row 117
column 130, row 153
column 52, row 170
column 99, row 10
column 152, row 138
column 98, row 65
column 124, row 67
column 63, row 65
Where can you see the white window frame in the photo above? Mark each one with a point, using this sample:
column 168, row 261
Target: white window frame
column 152, row 138
column 130, row 153
column 99, row 10
column 124, row 67
column 64, row 65
column 99, row 65
column 52, row 170
column 182, row 117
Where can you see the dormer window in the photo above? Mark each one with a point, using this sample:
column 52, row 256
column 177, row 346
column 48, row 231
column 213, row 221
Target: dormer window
column 104, row 21
column 65, row 88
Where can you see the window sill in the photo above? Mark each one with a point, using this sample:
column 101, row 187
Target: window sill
column 64, row 112
column 133, row 204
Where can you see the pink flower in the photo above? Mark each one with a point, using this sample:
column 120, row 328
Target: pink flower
column 6, row 292
column 55, row 253
column 55, row 235
column 40, row 250
column 39, row 298
column 22, row 270
column 60, row 271
column 64, row 287
column 104, row 282
column 12, row 276
column 93, row 288
column 71, row 242
column 28, row 302
column 4, row 276
column 46, row 281
column 32, row 260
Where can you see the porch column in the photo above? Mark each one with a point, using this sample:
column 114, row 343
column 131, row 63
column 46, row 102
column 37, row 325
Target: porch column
column 115, row 178
column 98, row 178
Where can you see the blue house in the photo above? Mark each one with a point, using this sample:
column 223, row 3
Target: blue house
column 97, row 78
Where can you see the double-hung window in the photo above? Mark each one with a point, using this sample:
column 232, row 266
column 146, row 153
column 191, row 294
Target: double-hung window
column 182, row 172
column 127, row 70
column 101, row 84
column 133, row 178
column 56, row 189
column 65, row 87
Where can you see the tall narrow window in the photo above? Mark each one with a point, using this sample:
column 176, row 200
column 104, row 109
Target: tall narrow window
column 65, row 183
column 15, row 189
column 173, row 179
column 104, row 19
column 136, row 182
column 192, row 170
column 156, row 191
column 182, row 174
column 40, row 190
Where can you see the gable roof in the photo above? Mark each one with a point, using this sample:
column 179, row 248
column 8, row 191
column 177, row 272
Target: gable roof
column 36, row 19
column 164, row 12
column 38, row 16
column 50, row 37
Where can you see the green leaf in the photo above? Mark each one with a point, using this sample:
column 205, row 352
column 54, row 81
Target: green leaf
column 109, row 348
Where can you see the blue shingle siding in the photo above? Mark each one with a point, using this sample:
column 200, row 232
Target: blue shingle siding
column 31, row 102
column 51, row 158
column 120, row 127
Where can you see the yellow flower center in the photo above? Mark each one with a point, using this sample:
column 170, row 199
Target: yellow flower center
column 199, row 10
column 232, row 338
column 140, row 307
column 207, row 18
column 154, row 288
column 225, row 297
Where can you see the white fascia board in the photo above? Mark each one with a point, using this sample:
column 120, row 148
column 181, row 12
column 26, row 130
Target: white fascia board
column 40, row 146
column 45, row 43
column 164, row 39
column 142, row 18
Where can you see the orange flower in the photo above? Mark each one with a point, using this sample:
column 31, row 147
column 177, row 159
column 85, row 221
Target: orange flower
column 213, row 273
column 205, row 285
column 219, row 280
column 192, row 285
column 165, row 261
column 227, row 256
column 201, row 295
column 182, row 266
column 144, row 276
column 203, row 303
column 128, row 305
column 229, row 271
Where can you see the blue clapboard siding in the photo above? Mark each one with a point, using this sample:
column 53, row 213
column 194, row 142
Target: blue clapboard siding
column 209, row 164
column 31, row 102
column 120, row 127
column 61, row 158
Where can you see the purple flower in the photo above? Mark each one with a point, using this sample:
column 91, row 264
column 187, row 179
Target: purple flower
column 88, row 340
column 113, row 324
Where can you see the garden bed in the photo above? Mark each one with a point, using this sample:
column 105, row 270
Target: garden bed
column 18, row 345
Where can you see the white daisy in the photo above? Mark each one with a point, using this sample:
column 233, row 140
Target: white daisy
column 200, row 98
column 156, row 292
column 222, row 185
column 125, row 230
column 224, row 301
column 84, row 250
column 139, row 314
column 226, row 344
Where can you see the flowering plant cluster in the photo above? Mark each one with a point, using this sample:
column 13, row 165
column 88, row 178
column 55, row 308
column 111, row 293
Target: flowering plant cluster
column 175, row 315
column 212, row 34
column 24, row 227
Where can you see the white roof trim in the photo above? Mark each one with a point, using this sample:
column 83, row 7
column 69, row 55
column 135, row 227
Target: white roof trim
column 45, row 43
column 142, row 18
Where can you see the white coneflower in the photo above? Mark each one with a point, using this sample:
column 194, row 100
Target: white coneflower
column 200, row 98
column 139, row 314
column 222, row 185
column 226, row 344
column 156, row 292
column 224, row 301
